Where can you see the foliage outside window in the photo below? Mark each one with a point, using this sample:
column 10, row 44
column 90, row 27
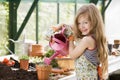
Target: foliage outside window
column 3, row 27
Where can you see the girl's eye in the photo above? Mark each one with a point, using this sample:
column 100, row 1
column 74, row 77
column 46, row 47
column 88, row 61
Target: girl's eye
column 78, row 23
column 85, row 22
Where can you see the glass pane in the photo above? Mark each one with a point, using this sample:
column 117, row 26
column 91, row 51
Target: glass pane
column 30, row 27
column 47, row 18
column 67, row 12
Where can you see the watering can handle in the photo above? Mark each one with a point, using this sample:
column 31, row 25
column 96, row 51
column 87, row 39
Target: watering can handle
column 8, row 48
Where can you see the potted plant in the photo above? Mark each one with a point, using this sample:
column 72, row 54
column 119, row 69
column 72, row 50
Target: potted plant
column 43, row 70
column 24, row 62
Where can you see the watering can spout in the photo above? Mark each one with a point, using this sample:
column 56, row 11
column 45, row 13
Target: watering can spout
column 48, row 60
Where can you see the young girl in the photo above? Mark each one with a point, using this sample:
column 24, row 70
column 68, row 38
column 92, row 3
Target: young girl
column 89, row 46
column 90, row 50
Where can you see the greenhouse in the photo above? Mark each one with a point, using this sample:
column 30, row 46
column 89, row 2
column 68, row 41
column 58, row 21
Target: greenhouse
column 29, row 31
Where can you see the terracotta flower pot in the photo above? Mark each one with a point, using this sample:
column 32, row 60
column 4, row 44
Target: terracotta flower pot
column 43, row 71
column 24, row 64
column 36, row 50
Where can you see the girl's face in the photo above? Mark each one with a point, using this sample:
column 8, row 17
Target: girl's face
column 84, row 25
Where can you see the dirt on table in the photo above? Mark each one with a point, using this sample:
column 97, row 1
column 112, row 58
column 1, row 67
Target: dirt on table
column 6, row 73
column 15, row 73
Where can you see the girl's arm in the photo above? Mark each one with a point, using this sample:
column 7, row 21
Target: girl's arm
column 75, row 52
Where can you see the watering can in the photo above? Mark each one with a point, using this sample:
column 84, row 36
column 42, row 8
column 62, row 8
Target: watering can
column 21, row 48
column 59, row 43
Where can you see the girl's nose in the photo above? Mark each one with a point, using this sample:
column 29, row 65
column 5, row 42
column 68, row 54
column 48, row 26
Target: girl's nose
column 82, row 25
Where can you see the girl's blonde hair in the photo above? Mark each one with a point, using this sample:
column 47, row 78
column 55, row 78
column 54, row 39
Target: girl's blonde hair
column 97, row 28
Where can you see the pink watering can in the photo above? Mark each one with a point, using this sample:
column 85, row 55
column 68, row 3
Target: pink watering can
column 59, row 43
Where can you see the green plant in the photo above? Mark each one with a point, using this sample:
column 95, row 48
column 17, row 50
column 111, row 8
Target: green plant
column 37, row 60
column 25, row 57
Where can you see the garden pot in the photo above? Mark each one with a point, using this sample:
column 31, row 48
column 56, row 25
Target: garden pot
column 36, row 50
column 62, row 63
column 43, row 71
column 24, row 64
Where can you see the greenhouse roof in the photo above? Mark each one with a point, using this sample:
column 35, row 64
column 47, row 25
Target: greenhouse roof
column 57, row 1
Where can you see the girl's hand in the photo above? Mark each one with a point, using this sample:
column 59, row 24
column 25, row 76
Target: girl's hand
column 58, row 27
column 71, row 38
column 54, row 28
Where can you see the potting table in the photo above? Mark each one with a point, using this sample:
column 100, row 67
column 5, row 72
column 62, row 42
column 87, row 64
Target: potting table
column 113, row 61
